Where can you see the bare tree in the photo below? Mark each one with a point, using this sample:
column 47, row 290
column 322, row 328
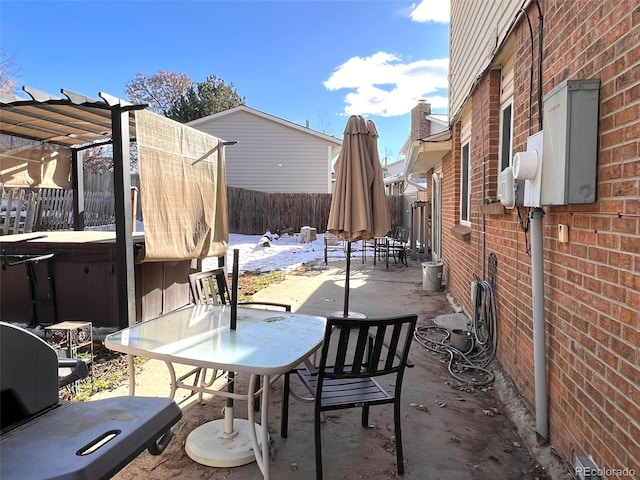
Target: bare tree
column 323, row 121
column 9, row 72
column 160, row 90
column 101, row 158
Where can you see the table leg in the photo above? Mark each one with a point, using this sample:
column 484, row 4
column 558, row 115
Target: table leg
column 261, row 451
column 264, row 421
column 132, row 375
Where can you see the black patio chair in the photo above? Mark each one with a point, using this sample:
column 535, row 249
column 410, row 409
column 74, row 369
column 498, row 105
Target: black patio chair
column 333, row 242
column 397, row 246
column 355, row 352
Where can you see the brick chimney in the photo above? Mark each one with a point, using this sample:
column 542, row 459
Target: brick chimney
column 420, row 126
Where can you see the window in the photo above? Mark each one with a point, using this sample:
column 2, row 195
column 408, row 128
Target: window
column 506, row 137
column 465, row 183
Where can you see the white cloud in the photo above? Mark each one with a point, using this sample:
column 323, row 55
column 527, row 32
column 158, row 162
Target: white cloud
column 387, row 87
column 431, row 11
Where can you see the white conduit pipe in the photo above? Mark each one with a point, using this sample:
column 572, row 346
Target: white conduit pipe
column 539, row 350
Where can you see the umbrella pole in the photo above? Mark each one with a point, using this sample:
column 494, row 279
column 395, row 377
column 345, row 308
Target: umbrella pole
column 226, row 442
column 346, row 283
column 228, row 409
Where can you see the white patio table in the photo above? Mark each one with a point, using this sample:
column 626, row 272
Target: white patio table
column 265, row 344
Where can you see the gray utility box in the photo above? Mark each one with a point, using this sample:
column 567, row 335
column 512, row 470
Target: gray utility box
column 570, row 143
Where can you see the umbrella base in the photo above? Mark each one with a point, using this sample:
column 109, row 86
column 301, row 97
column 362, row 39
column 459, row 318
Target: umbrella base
column 340, row 314
column 210, row 445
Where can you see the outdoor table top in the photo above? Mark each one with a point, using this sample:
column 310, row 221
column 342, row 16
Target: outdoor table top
column 265, row 342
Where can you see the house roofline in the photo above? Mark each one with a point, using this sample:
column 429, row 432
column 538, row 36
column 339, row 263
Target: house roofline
column 267, row 116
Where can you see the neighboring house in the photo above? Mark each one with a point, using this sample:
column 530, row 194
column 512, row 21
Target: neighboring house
column 500, row 80
column 272, row 154
column 394, row 183
column 428, row 143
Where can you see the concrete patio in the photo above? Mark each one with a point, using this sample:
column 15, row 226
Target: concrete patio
column 451, row 432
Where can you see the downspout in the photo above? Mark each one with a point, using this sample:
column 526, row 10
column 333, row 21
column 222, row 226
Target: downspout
column 539, row 350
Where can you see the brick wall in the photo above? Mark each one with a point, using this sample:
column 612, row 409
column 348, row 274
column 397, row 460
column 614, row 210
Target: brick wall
column 420, row 126
column 592, row 282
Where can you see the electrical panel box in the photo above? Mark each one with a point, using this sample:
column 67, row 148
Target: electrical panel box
column 570, row 143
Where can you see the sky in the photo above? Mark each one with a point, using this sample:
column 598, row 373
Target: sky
column 315, row 60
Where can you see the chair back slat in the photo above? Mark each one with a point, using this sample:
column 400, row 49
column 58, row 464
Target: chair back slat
column 393, row 346
column 360, row 348
column 209, row 287
column 341, row 352
column 376, row 351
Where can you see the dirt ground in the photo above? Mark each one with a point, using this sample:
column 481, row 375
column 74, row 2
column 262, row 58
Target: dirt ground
column 450, row 431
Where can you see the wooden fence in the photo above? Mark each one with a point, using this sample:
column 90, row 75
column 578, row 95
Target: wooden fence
column 18, row 209
column 250, row 212
column 253, row 213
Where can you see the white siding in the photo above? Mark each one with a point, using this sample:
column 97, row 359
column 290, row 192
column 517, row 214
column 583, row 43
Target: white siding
column 271, row 157
column 465, row 128
column 506, row 77
column 478, row 28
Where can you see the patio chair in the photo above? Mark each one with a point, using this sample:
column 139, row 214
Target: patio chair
column 379, row 247
column 333, row 242
column 42, row 435
column 355, row 352
column 210, row 287
column 397, row 246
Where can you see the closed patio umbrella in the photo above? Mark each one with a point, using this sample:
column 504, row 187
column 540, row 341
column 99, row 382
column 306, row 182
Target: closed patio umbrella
column 358, row 206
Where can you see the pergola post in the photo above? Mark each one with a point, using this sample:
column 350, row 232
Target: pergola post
column 77, row 183
column 124, row 236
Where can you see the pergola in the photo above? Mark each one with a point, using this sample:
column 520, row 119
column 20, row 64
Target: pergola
column 78, row 123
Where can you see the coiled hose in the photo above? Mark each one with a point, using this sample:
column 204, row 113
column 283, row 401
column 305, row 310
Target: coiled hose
column 468, row 367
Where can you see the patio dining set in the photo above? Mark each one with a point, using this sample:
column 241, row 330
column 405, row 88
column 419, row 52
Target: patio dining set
column 221, row 339
column 394, row 245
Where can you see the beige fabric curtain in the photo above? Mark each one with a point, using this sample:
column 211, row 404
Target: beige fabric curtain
column 182, row 189
column 35, row 166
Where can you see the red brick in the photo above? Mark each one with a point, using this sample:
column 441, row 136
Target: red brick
column 607, row 240
column 625, row 225
column 614, row 292
column 632, row 169
column 598, row 254
column 611, row 206
column 628, row 316
column 607, row 274
column 625, row 189
column 632, row 206
column 611, row 326
column 581, row 221
column 610, row 172
column 593, row 284
column 626, row 115
column 621, row 260
column 627, row 370
column 630, row 280
column 633, row 300
column 631, row 335
column 630, row 243
column 586, row 237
